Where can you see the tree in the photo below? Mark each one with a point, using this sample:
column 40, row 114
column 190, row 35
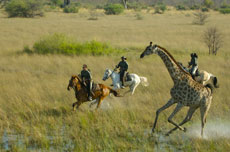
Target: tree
column 200, row 18
column 125, row 3
column 213, row 39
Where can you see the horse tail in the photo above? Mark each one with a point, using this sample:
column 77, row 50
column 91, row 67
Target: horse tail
column 114, row 92
column 210, row 86
column 215, row 82
column 144, row 81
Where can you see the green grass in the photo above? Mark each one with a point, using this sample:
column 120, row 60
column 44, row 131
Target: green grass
column 36, row 106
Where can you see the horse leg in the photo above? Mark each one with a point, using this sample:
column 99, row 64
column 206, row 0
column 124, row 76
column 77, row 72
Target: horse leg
column 99, row 101
column 203, row 113
column 76, row 103
column 94, row 102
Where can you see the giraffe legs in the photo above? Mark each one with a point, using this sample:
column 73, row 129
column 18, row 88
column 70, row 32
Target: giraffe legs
column 168, row 104
column 187, row 118
column 177, row 109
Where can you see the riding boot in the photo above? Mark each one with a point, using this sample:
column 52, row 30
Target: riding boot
column 122, row 82
column 89, row 91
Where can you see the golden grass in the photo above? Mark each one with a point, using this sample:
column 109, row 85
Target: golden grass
column 35, row 103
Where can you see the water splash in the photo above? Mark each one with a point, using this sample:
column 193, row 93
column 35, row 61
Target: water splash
column 213, row 130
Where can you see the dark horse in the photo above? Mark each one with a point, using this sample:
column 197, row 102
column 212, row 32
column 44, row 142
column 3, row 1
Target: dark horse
column 99, row 93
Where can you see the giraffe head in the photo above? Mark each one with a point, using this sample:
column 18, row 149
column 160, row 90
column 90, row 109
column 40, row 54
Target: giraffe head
column 149, row 50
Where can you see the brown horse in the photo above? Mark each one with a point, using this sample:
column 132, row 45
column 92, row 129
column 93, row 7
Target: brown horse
column 99, row 92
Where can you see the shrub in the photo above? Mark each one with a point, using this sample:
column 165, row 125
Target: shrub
column 224, row 10
column 204, row 9
column 200, row 18
column 113, row 9
column 71, row 9
column 136, row 6
column 57, row 2
column 24, row 8
column 160, row 8
column 195, row 7
column 180, row 7
column 139, row 16
column 61, row 44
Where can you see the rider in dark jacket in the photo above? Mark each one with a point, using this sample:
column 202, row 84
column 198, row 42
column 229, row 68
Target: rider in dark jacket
column 123, row 65
column 87, row 79
column 194, row 64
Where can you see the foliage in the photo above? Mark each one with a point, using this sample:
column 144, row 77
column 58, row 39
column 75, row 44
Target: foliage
column 160, row 8
column 208, row 3
column 61, row 44
column 224, row 10
column 195, row 7
column 213, row 39
column 136, row 6
column 200, row 18
column 181, row 7
column 113, row 9
column 139, row 16
column 71, row 9
column 24, row 8
column 57, row 2
column 204, row 9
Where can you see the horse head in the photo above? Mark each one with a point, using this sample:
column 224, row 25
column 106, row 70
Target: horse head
column 74, row 81
column 107, row 74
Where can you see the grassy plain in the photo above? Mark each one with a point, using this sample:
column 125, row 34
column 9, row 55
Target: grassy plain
column 35, row 111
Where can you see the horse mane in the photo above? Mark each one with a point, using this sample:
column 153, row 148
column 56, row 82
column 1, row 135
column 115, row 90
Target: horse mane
column 79, row 78
column 174, row 60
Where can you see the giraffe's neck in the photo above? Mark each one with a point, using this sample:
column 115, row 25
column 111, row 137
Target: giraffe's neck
column 174, row 70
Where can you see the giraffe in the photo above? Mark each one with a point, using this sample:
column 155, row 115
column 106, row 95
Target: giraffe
column 185, row 92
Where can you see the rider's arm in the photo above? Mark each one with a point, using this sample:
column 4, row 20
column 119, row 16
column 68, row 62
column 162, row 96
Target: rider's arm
column 127, row 66
column 119, row 64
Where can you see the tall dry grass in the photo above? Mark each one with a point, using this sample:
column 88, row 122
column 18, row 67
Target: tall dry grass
column 36, row 106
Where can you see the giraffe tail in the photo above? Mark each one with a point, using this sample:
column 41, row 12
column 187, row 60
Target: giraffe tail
column 211, row 87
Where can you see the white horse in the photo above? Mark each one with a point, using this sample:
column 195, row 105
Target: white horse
column 135, row 80
column 203, row 76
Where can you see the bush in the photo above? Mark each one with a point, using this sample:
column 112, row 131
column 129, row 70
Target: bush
column 160, row 8
column 61, row 44
column 204, row 9
column 180, row 7
column 139, row 16
column 71, row 9
column 57, row 2
column 113, row 9
column 136, row 6
column 195, row 7
column 224, row 10
column 24, row 8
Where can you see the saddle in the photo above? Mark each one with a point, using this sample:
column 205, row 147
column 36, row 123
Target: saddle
column 127, row 77
column 95, row 87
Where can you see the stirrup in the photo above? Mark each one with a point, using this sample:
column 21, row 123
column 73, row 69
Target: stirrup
column 90, row 98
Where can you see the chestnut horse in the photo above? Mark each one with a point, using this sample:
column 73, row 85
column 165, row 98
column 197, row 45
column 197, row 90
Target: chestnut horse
column 80, row 90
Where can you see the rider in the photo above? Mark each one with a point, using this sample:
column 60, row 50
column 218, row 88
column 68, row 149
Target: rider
column 87, row 79
column 194, row 64
column 123, row 65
